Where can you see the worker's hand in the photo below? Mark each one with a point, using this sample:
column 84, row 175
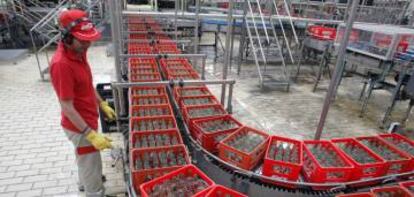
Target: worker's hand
column 108, row 111
column 98, row 140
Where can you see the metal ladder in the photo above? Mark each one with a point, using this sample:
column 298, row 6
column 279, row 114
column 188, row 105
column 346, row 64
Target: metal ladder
column 263, row 44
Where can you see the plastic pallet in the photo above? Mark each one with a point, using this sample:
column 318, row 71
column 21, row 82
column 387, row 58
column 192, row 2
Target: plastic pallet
column 395, row 166
column 313, row 171
column 375, row 168
column 145, row 141
column 159, row 123
column 150, row 110
column 209, row 140
column 220, row 191
column 149, row 100
column 140, row 176
column 393, row 191
column 186, row 171
column 196, row 112
column 239, row 158
column 281, row 168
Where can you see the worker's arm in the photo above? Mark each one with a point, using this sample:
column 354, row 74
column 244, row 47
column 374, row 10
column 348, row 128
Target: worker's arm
column 104, row 105
column 73, row 115
column 98, row 140
column 98, row 97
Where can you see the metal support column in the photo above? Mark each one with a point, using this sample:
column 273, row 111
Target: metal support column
column 338, row 68
column 227, row 51
column 115, row 39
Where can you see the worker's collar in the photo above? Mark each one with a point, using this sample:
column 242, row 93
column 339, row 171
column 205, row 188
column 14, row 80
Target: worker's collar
column 72, row 54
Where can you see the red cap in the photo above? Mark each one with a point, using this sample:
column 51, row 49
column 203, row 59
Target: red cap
column 79, row 25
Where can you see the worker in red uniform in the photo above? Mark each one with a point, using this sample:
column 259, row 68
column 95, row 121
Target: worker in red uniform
column 72, row 80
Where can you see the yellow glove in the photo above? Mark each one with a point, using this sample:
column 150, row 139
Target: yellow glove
column 98, row 140
column 108, row 111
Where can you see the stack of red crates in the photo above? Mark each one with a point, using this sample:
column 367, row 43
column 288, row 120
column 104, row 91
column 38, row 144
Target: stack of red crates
column 283, row 158
column 156, row 146
column 143, row 69
column 339, row 169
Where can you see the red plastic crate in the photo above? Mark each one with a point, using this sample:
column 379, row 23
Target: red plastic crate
column 167, row 49
column 198, row 100
column 159, row 123
column 143, row 174
column 395, row 165
column 321, row 32
column 137, row 27
column 149, row 100
column 185, row 71
column 162, row 37
column 138, row 36
column 134, row 48
column 375, row 168
column 184, row 172
column 314, row 171
column 239, row 158
column 180, row 92
column 145, row 139
column 402, row 143
column 220, row 191
column 203, row 111
column 150, row 110
column 145, row 77
column 279, row 167
column 393, row 191
column 142, row 63
column 147, row 91
column 409, row 186
column 210, row 139
column 363, row 194
column 179, row 63
column 193, row 76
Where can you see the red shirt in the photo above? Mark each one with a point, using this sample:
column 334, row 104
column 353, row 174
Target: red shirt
column 72, row 80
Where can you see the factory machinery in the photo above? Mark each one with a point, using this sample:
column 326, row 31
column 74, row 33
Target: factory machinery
column 181, row 140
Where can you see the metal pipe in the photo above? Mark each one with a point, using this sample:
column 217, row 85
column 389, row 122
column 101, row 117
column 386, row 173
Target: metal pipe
column 115, row 38
column 174, row 82
column 196, row 26
column 227, row 51
column 338, row 68
column 203, row 69
column 229, row 99
column 236, row 16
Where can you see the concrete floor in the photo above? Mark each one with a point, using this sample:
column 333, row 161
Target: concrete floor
column 36, row 159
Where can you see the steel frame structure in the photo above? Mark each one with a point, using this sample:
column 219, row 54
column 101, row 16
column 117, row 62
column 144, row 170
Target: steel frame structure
column 250, row 182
